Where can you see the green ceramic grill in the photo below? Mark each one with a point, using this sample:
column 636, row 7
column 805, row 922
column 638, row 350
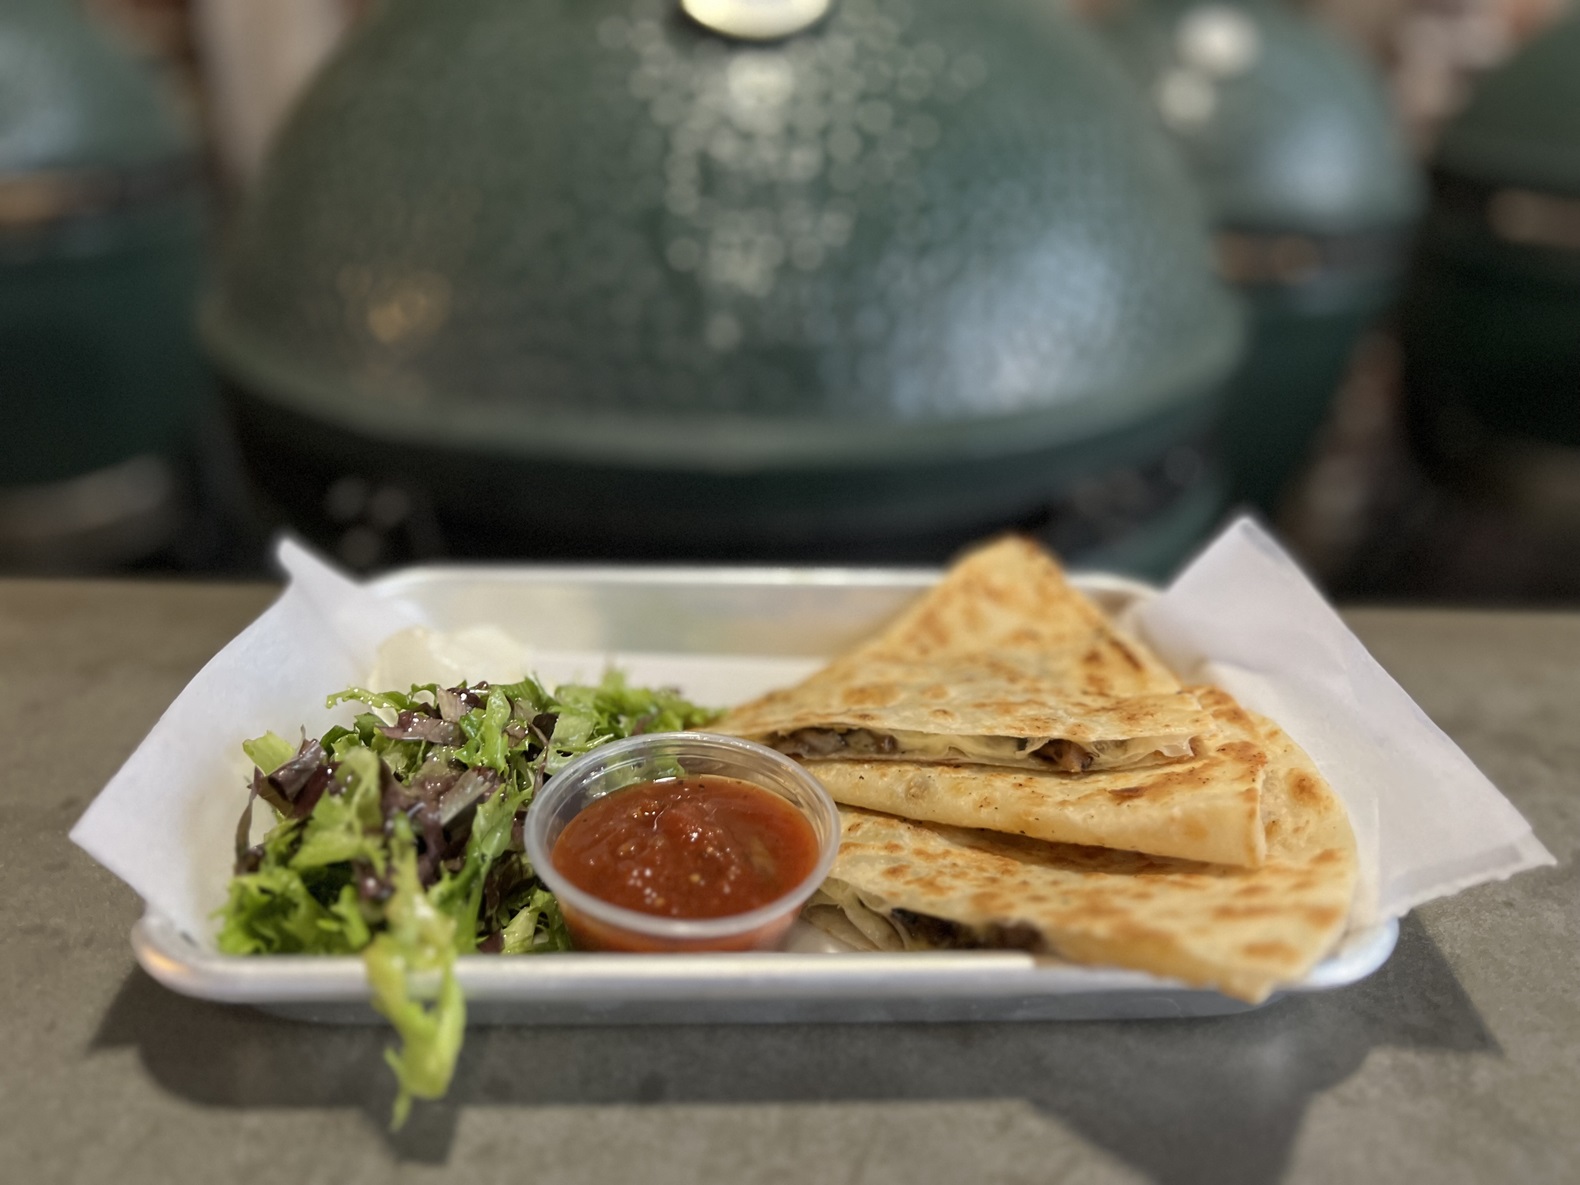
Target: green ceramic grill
column 1492, row 326
column 1312, row 192
column 749, row 279
column 100, row 241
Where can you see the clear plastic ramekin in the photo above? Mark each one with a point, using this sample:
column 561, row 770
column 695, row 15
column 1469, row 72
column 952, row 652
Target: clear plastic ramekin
column 595, row 924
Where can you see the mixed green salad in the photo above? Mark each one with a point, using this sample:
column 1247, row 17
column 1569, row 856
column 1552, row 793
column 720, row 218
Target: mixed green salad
column 400, row 838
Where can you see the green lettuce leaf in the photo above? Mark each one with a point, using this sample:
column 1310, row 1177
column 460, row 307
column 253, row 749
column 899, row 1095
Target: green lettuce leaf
column 590, row 716
column 273, row 912
column 537, row 928
column 390, row 700
column 269, row 752
column 460, row 895
column 418, row 941
column 484, row 727
column 349, row 825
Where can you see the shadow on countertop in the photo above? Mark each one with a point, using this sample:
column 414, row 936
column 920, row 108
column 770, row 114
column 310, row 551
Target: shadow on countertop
column 1180, row 1100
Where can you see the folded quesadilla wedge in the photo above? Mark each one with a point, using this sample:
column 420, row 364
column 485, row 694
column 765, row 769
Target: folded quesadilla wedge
column 1204, row 807
column 1002, row 663
column 899, row 884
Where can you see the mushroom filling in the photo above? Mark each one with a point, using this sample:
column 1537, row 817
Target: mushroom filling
column 893, row 929
column 1057, row 753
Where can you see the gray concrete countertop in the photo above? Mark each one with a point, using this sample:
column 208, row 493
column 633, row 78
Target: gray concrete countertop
column 1458, row 1062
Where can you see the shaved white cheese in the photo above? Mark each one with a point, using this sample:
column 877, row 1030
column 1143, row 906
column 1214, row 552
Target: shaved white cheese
column 471, row 655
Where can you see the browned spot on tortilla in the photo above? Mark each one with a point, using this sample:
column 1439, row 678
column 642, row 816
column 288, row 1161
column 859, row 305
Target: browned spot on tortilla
column 1123, row 793
column 868, row 695
column 1328, row 856
column 1270, row 949
column 1321, row 917
column 1304, row 790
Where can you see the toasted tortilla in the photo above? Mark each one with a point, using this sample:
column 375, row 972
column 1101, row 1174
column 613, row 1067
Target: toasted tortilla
column 901, row 884
column 1002, row 663
column 1204, row 807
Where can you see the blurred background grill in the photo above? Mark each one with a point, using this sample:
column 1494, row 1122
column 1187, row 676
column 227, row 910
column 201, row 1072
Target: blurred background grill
column 1312, row 194
column 632, row 281
column 100, row 246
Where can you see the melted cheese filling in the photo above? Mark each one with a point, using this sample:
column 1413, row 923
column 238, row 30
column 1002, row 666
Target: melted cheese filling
column 901, row 745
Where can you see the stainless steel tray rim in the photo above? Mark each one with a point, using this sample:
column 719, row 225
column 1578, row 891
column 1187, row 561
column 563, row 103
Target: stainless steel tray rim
column 183, row 966
column 396, row 583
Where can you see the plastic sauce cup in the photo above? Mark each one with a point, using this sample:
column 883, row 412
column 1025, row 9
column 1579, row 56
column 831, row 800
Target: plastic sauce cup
column 595, row 924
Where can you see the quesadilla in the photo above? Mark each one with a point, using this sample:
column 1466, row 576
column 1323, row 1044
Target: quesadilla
column 1002, row 663
column 899, row 885
column 1204, row 807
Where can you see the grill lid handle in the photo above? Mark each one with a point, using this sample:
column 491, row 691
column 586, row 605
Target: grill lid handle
column 756, row 20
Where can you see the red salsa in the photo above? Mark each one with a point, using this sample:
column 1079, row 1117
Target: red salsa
column 695, row 847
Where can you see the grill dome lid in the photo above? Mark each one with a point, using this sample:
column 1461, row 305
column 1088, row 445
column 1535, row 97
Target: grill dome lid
column 1522, row 125
column 1283, row 124
column 602, row 230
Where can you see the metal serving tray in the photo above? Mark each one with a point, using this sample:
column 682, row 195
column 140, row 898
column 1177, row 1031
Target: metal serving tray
column 721, row 634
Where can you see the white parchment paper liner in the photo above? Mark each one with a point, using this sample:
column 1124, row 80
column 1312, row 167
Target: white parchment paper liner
column 1427, row 821
column 165, row 823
